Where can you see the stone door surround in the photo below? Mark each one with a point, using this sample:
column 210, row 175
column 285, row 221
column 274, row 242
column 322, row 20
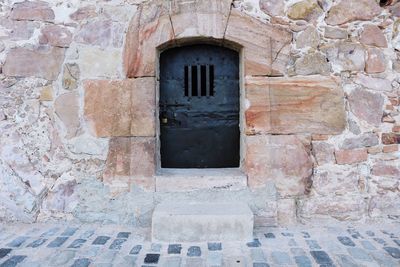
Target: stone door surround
column 275, row 110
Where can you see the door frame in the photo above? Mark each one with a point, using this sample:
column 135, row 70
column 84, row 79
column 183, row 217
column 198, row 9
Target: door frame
column 242, row 96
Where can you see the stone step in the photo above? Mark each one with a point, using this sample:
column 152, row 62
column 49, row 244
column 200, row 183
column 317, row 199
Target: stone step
column 202, row 221
column 185, row 180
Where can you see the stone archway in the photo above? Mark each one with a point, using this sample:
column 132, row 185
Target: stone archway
column 280, row 113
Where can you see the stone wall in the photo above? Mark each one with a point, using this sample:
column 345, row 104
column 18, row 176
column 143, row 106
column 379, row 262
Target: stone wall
column 77, row 108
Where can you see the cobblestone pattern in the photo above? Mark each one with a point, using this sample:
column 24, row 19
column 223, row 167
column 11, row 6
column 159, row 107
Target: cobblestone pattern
column 92, row 245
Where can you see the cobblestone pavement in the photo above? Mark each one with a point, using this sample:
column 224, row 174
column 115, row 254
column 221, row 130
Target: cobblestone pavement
column 92, row 245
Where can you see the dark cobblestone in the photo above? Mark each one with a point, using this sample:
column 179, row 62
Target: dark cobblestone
column 346, row 241
column 321, row 257
column 58, row 242
column 174, row 249
column 77, row 243
column 269, row 235
column 101, row 240
column 254, row 244
column 123, row 235
column 394, row 252
column 37, row 243
column 152, row 258
column 214, row 246
column 136, row 250
column 117, row 244
column 4, row 252
column 278, row 251
column 194, row 251
column 13, row 261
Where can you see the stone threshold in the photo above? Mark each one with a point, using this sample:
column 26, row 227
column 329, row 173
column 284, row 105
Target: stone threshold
column 185, row 180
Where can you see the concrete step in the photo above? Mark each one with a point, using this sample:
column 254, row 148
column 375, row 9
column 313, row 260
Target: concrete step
column 202, row 221
column 185, row 180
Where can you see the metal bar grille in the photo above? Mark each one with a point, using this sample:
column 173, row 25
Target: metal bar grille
column 199, row 80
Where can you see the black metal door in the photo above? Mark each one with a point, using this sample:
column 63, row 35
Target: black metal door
column 199, row 107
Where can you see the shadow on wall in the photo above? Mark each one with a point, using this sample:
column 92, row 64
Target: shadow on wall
column 387, row 2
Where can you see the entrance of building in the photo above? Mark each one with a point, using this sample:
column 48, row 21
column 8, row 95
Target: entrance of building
column 199, row 107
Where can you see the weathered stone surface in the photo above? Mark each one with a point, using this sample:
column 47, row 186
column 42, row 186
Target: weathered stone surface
column 364, row 140
column 308, row 38
column 62, row 197
column 350, row 10
column 383, row 205
column 306, row 9
column 56, row 36
column 323, row 152
column 46, row 93
column 199, row 222
column 311, row 64
column 335, row 181
column 282, row 159
column 200, row 18
column 376, row 84
column 335, row 33
column 294, row 105
column 19, row 176
column 103, row 33
column 372, row 35
column 287, row 212
column 130, row 161
column 376, row 62
column 273, row 7
column 264, row 44
column 71, row 76
column 32, row 10
column 390, row 148
column 67, row 109
column 339, row 207
column 17, row 30
column 359, row 99
column 149, row 28
column 83, row 13
column 121, row 108
column 351, row 156
column 98, row 63
column 390, row 138
column 88, row 145
column 345, row 56
column 382, row 169
column 23, row 62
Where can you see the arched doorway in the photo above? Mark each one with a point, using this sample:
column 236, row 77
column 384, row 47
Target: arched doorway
column 199, row 107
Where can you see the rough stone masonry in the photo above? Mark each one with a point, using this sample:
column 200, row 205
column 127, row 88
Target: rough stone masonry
column 78, row 107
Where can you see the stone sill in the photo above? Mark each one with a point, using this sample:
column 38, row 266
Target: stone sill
column 185, row 180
